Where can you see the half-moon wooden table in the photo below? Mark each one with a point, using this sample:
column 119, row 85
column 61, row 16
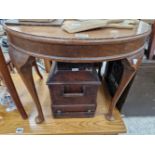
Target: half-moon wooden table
column 51, row 42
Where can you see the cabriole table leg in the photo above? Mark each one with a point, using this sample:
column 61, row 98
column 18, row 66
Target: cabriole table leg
column 23, row 64
column 9, row 83
column 130, row 67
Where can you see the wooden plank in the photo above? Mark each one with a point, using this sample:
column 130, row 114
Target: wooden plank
column 41, row 22
column 9, row 122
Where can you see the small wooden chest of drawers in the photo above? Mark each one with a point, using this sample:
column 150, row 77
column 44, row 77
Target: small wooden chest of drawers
column 73, row 89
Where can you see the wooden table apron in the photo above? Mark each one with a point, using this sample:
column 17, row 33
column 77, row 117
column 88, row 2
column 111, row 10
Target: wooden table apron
column 24, row 47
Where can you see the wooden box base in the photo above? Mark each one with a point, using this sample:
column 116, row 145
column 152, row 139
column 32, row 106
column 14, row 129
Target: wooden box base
column 73, row 92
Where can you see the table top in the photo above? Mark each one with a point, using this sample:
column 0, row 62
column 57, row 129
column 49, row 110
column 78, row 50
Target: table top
column 57, row 34
column 52, row 42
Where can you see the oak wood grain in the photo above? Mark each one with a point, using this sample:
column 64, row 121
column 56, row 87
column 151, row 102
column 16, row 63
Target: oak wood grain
column 97, row 125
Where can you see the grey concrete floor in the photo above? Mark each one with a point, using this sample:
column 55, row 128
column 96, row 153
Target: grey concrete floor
column 139, row 108
column 140, row 125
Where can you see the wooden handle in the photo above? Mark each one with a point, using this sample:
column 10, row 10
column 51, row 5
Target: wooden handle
column 76, row 94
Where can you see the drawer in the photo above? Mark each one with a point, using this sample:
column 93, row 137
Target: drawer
column 74, row 115
column 73, row 108
column 75, row 94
